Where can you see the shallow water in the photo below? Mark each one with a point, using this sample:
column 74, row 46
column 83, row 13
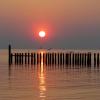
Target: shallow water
column 48, row 82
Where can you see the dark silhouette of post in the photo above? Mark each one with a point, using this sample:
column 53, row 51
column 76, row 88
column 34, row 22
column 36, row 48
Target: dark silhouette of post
column 32, row 58
column 25, row 58
column 55, row 57
column 67, row 59
column 15, row 59
column 98, row 59
column 58, row 58
column 89, row 59
column 22, row 58
column 9, row 52
column 28, row 58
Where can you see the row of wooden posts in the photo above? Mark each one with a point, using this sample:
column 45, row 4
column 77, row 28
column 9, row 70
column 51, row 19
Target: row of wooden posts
column 53, row 58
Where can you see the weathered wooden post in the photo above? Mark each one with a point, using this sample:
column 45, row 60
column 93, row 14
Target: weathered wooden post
column 89, row 59
column 70, row 59
column 11, row 58
column 37, row 58
column 9, row 52
column 15, row 59
column 73, row 59
column 63, row 59
column 85, row 59
column 49, row 58
column 94, row 59
column 67, row 59
column 43, row 58
column 82, row 59
column 25, row 58
column 55, row 58
column 40, row 58
column 58, row 58
column 34, row 58
column 46, row 58
column 22, row 58
column 78, row 59
column 98, row 59
column 28, row 58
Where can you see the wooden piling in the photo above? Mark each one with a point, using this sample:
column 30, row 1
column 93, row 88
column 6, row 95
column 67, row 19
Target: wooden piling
column 22, row 55
column 60, row 58
column 25, row 58
column 15, row 59
column 97, row 59
column 73, row 59
column 32, row 58
column 67, row 59
column 53, row 58
column 11, row 59
column 89, row 59
column 9, row 54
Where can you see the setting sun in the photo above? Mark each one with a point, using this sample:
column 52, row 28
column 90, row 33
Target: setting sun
column 42, row 34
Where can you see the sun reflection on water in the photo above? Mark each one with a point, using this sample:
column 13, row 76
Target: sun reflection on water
column 42, row 84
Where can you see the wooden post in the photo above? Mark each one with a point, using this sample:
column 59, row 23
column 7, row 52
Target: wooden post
column 15, row 59
column 63, row 59
column 85, row 59
column 28, row 58
column 55, row 58
column 25, row 58
column 48, row 58
column 67, row 59
column 11, row 59
column 80, row 60
column 22, row 58
column 52, row 59
column 34, row 58
column 9, row 52
column 94, row 59
column 58, row 58
column 89, row 59
column 98, row 59
column 73, row 59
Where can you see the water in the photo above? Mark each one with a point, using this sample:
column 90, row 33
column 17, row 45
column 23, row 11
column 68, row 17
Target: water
column 48, row 82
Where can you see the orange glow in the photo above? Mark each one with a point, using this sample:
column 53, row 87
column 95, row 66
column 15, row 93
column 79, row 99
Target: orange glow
column 42, row 26
column 42, row 34
column 42, row 84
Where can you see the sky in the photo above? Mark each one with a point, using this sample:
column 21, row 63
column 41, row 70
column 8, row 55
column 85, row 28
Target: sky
column 69, row 24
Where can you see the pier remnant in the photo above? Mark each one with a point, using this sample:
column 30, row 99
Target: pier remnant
column 65, row 58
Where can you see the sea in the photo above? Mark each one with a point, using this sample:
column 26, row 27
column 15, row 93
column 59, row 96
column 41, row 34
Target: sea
column 35, row 82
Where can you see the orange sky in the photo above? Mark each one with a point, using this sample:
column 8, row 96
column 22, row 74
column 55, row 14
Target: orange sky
column 54, row 14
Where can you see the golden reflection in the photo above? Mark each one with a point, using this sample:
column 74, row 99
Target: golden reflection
column 42, row 85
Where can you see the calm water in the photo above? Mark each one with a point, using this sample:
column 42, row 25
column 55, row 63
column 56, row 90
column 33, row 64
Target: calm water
column 48, row 82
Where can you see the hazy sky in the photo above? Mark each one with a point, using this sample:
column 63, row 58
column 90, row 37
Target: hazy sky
column 68, row 23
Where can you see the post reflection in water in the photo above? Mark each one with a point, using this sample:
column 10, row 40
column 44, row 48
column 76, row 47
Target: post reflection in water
column 42, row 84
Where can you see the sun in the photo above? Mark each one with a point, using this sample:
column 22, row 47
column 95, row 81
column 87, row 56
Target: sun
column 42, row 34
